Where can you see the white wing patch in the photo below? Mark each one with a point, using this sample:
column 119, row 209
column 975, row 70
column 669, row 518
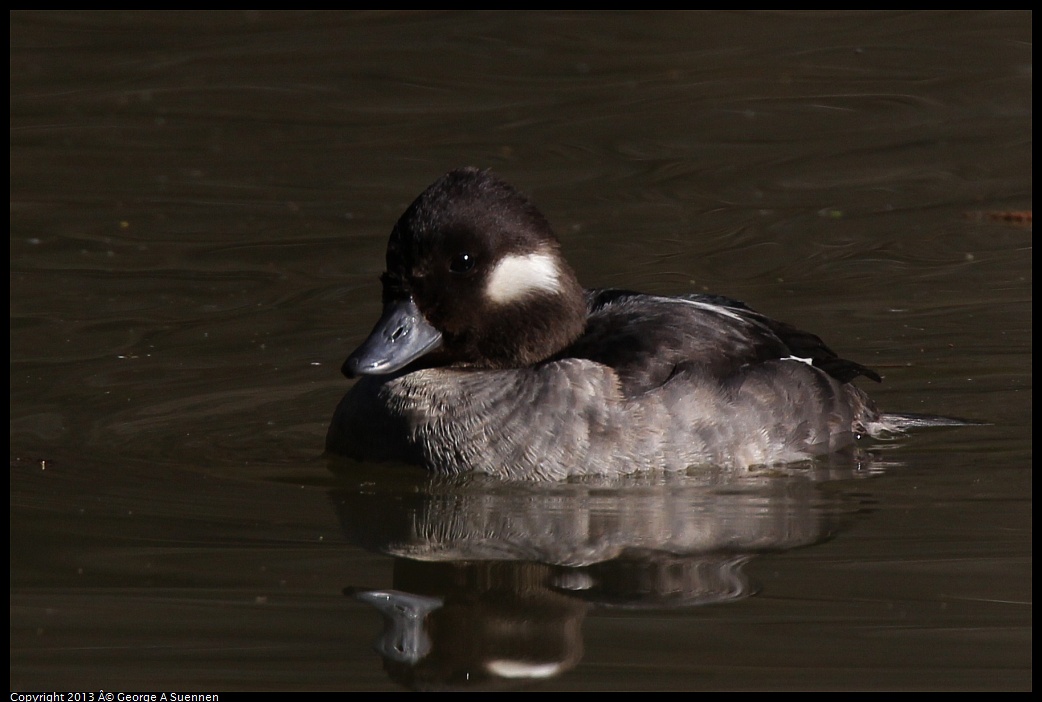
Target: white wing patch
column 708, row 306
column 515, row 277
column 808, row 361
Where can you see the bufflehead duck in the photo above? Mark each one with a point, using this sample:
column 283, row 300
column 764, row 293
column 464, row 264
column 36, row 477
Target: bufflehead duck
column 490, row 357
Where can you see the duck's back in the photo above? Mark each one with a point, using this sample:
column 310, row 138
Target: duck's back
column 648, row 338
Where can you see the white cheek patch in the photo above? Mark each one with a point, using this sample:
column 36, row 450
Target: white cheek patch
column 516, row 277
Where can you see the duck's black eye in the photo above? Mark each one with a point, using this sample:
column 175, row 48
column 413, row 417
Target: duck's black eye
column 461, row 263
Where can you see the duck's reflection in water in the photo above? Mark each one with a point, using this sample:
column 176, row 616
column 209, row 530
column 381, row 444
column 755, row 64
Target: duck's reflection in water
column 492, row 580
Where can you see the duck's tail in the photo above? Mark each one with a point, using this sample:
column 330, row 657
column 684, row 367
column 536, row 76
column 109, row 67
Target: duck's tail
column 900, row 422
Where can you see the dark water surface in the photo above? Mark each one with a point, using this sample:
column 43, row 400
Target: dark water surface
column 199, row 207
